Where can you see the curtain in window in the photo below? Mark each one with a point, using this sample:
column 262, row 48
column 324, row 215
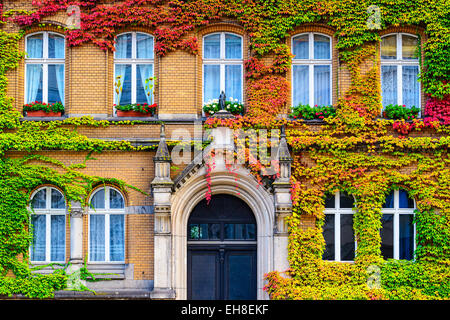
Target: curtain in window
column 98, row 200
column 55, row 83
column 117, row 237
column 115, row 200
column 97, row 237
column 38, row 222
column 233, row 47
column 389, row 47
column 144, row 48
column 301, row 85
column 60, row 81
column 404, row 201
column 322, row 85
column 389, row 84
column 39, row 200
column 211, row 78
column 34, row 82
column 233, row 82
column 123, row 46
column 411, row 89
column 35, row 45
column 57, row 200
column 58, row 237
column 144, row 71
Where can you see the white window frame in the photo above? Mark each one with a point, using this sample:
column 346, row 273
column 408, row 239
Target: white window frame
column 134, row 61
column 396, row 212
column 45, row 61
column 399, row 62
column 311, row 62
column 337, row 211
column 48, row 212
column 107, row 212
column 222, row 62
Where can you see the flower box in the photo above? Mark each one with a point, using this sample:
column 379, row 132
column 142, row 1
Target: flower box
column 132, row 113
column 42, row 113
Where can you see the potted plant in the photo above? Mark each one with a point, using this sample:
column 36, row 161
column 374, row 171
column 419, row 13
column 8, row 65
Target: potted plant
column 232, row 105
column 137, row 109
column 42, row 109
column 398, row 112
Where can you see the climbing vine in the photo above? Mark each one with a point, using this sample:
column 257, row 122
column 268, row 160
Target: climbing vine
column 353, row 151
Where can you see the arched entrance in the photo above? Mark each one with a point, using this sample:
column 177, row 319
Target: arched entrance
column 222, row 250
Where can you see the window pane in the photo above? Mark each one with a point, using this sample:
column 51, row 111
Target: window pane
column 144, row 92
column 233, row 47
column 98, row 200
column 389, row 203
column 389, row 85
column 97, row 237
column 123, row 46
column 213, row 231
column 321, row 47
column 233, row 82
column 58, row 237
column 322, row 78
column 328, row 235
column 347, row 238
column 144, row 46
column 39, row 200
column 115, row 200
column 300, row 47
column 39, row 239
column 211, row 86
column 240, row 231
column 55, row 83
column 57, row 200
column 389, row 47
column 300, row 76
column 34, row 83
column 194, row 231
column 55, row 46
column 117, row 237
column 330, row 201
column 346, row 201
column 123, row 81
column 411, row 86
column 35, row 46
column 211, row 46
column 387, row 236
column 409, row 47
column 404, row 200
column 406, row 236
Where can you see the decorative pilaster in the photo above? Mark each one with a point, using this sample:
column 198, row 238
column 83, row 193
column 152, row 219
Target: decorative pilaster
column 283, row 203
column 76, row 247
column 162, row 191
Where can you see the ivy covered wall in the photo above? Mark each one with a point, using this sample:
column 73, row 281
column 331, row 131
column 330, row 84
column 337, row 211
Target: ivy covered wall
column 353, row 151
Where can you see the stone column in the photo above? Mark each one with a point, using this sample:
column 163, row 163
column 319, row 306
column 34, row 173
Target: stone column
column 162, row 191
column 283, row 205
column 76, row 247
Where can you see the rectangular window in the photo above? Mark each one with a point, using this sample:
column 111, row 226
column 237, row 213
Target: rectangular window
column 117, row 237
column 123, row 84
column 389, row 84
column 144, row 92
column 347, row 238
column 38, row 248
column 387, row 236
column 322, row 91
column 58, row 237
column 406, row 236
column 233, row 82
column 301, row 85
column 34, row 86
column 211, row 80
column 97, row 237
column 411, row 86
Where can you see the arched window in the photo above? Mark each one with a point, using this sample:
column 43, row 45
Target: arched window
column 44, row 67
column 134, row 67
column 338, row 228
column 107, row 226
column 400, row 70
column 48, row 220
column 222, row 66
column 311, row 69
column 397, row 230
